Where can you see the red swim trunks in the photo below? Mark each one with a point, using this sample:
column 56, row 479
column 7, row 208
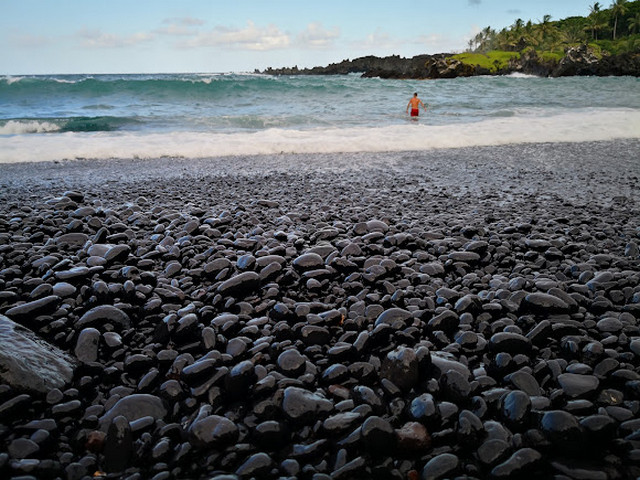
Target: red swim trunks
column 414, row 112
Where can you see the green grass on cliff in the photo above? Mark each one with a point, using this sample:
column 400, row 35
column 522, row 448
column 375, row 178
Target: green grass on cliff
column 493, row 61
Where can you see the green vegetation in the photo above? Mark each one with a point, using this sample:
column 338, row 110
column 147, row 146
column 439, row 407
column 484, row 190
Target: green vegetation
column 613, row 31
column 493, row 61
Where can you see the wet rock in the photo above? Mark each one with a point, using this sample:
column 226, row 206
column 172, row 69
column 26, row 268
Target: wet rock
column 543, row 303
column 240, row 379
column 300, row 405
column 23, row 448
column 308, row 261
column 256, row 465
column 509, row 342
column 102, row 314
column 240, row 285
column 212, row 431
column 291, row 363
column 492, row 451
column 134, row 407
column 392, row 316
column 520, row 463
column 516, row 407
column 87, row 345
column 442, row 466
column 575, row 385
column 561, row 428
column 29, row 363
column 29, row 310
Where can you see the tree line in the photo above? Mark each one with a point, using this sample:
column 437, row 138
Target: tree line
column 615, row 29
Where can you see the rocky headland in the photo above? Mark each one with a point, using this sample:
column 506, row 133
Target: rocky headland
column 581, row 60
column 447, row 314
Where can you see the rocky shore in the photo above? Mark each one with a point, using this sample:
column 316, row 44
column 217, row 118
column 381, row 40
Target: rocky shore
column 580, row 60
column 465, row 313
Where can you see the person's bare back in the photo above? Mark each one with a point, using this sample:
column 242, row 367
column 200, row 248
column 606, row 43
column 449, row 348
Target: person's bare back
column 415, row 104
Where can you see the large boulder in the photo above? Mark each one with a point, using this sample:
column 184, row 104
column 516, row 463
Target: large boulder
column 29, row 363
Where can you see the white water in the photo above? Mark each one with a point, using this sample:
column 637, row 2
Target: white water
column 587, row 125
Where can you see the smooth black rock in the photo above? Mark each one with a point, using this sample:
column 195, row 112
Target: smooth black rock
column 447, row 321
column 98, row 316
column 87, row 345
column 340, row 422
column 23, row 448
column 561, row 428
column 492, row 451
column 240, row 379
column 509, row 342
column 34, row 308
column 256, row 465
column 519, row 464
column 291, row 363
column 442, row 466
column 575, row 385
column 423, row 408
column 515, row 410
column 392, row 315
column 213, row 431
column 308, row 261
column 241, row 285
column 300, row 405
column 355, row 468
column 543, row 303
column 134, row 407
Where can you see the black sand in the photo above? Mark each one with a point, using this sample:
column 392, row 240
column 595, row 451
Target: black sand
column 465, row 313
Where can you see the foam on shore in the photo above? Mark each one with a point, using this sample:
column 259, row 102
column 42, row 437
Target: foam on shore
column 583, row 126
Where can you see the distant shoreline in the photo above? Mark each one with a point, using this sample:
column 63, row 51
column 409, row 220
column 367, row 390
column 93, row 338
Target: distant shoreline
column 581, row 60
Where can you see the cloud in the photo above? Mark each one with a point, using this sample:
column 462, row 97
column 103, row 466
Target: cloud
column 251, row 37
column 182, row 26
column 184, row 21
column 99, row 39
column 315, row 36
column 379, row 40
column 475, row 2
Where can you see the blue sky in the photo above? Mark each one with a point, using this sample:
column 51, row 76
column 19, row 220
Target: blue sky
column 144, row 36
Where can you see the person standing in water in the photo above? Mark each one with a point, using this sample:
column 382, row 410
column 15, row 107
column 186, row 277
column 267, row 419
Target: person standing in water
column 414, row 104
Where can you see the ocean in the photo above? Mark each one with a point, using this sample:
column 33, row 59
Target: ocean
column 58, row 117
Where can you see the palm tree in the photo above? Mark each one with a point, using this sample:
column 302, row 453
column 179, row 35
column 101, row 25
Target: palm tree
column 634, row 23
column 594, row 9
column 594, row 25
column 618, row 8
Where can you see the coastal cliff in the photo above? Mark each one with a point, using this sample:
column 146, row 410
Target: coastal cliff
column 577, row 61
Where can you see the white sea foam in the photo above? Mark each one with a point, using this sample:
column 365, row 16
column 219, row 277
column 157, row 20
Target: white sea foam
column 595, row 125
column 17, row 127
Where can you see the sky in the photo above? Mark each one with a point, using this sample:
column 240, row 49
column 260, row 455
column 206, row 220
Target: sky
column 211, row 36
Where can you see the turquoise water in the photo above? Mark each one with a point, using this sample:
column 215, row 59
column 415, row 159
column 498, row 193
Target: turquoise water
column 120, row 107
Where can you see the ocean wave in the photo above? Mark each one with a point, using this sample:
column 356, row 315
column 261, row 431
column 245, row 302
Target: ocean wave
column 72, row 124
column 596, row 125
column 20, row 127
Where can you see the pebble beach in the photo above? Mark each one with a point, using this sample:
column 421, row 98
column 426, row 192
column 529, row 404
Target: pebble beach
column 458, row 313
